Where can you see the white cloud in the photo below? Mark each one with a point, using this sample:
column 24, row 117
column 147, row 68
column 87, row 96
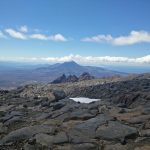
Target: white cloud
column 23, row 29
column 86, row 59
column 39, row 36
column 133, row 38
column 98, row 38
column 56, row 37
column 2, row 35
column 15, row 34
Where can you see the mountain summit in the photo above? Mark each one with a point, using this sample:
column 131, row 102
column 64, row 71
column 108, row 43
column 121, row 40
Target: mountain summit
column 73, row 68
column 48, row 73
column 70, row 63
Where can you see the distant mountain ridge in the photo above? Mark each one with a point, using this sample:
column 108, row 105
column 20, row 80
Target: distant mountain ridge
column 48, row 73
column 72, row 68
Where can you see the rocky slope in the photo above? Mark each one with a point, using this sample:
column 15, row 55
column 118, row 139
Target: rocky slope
column 43, row 117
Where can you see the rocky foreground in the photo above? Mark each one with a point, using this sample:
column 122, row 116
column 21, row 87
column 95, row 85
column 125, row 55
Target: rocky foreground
column 38, row 117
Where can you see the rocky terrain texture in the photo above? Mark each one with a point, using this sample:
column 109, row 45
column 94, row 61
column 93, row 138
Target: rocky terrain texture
column 42, row 117
column 73, row 78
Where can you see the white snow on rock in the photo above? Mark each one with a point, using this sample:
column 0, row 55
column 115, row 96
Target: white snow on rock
column 84, row 99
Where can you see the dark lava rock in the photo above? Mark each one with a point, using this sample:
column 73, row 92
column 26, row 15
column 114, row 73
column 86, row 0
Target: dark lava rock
column 119, row 121
column 45, row 103
column 122, row 105
column 26, row 133
column 130, row 93
column 13, row 120
column 46, row 140
column 3, row 129
column 145, row 133
column 85, row 76
column 12, row 117
column 61, row 138
column 71, row 78
column 61, row 79
column 30, row 147
column 59, row 94
column 58, row 106
column 87, row 130
column 114, row 130
column 85, row 146
column 117, row 146
column 64, row 79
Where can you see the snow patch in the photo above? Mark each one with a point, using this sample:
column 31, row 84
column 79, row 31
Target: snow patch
column 84, row 99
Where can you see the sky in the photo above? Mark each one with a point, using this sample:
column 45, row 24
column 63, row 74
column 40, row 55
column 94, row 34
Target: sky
column 88, row 31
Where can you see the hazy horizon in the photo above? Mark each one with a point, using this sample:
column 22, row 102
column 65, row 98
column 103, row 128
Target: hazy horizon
column 115, row 67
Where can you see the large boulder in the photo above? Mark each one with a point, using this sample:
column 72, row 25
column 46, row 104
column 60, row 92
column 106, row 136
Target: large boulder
column 86, row 130
column 114, row 130
column 26, row 133
column 59, row 94
column 46, row 140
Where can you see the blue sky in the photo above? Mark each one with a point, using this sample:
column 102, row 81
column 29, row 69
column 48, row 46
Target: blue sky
column 74, row 29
